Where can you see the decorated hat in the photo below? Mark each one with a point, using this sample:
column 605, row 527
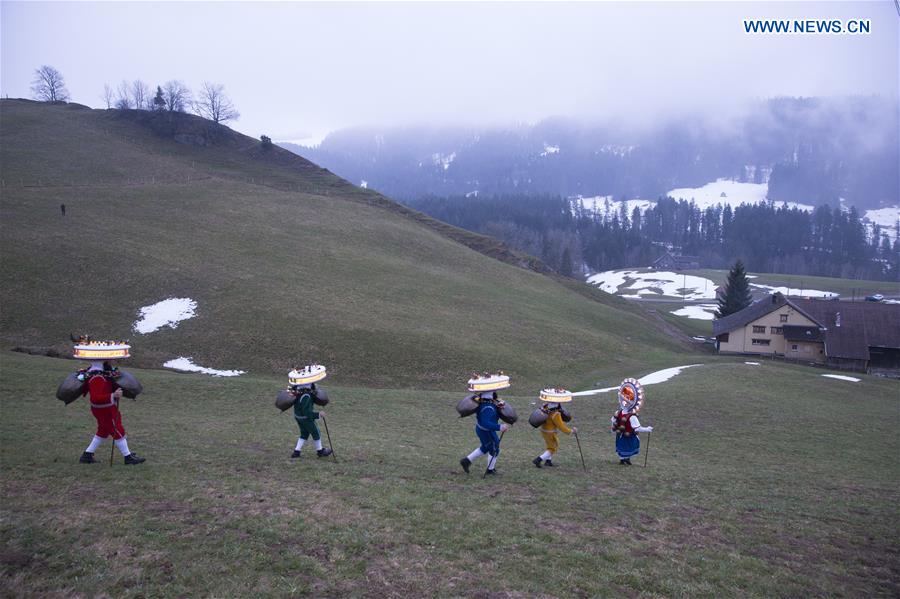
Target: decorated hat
column 86, row 348
column 307, row 375
column 556, row 395
column 631, row 395
column 488, row 382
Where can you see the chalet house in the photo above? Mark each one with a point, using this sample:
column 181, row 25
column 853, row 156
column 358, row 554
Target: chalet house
column 670, row 261
column 860, row 336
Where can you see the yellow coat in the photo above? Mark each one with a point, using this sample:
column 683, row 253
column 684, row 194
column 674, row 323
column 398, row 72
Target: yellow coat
column 548, row 430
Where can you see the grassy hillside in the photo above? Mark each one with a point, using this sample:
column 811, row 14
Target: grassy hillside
column 287, row 262
column 760, row 483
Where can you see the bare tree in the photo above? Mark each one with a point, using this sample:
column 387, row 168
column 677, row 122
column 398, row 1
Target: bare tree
column 48, row 85
column 177, row 96
column 140, row 94
column 108, row 95
column 214, row 105
column 123, row 97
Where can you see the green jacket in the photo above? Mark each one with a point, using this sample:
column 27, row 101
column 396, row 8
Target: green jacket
column 303, row 407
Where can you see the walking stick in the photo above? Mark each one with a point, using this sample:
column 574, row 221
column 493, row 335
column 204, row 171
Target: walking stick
column 647, row 455
column 111, row 448
column 490, row 456
column 582, row 454
column 327, row 434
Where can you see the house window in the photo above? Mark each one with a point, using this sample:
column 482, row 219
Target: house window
column 776, row 330
column 784, row 317
column 793, row 347
column 759, row 329
column 761, row 341
column 723, row 338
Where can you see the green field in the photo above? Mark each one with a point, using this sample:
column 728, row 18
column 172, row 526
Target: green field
column 288, row 264
column 767, row 481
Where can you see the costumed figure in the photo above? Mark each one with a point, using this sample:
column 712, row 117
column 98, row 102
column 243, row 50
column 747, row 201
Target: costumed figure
column 489, row 410
column 550, row 418
column 625, row 422
column 303, row 394
column 105, row 384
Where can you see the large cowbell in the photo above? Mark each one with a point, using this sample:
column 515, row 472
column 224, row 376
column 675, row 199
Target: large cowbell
column 285, row 399
column 537, row 418
column 70, row 389
column 467, row 406
column 320, row 397
column 130, row 386
column 508, row 414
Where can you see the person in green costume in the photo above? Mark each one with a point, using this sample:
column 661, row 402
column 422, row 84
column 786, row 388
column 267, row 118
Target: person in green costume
column 306, row 419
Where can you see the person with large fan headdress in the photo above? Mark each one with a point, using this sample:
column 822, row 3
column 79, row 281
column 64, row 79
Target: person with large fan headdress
column 105, row 384
column 489, row 410
column 303, row 394
column 550, row 418
column 625, row 422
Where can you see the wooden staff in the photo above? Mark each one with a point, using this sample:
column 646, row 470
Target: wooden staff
column 327, row 434
column 647, row 455
column 582, row 454
column 490, row 456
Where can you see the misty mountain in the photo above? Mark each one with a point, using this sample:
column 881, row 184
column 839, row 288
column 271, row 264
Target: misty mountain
column 809, row 150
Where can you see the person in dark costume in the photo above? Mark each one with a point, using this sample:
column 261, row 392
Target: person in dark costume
column 303, row 386
column 490, row 409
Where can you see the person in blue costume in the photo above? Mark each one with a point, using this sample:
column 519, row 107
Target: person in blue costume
column 625, row 423
column 487, row 425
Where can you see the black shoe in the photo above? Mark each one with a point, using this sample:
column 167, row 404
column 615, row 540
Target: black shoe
column 323, row 453
column 622, row 463
column 87, row 458
column 537, row 461
column 465, row 463
column 549, row 463
column 296, row 454
column 132, row 458
column 493, row 472
column 628, row 462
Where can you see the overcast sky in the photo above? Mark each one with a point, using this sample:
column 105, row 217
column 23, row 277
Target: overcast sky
column 300, row 69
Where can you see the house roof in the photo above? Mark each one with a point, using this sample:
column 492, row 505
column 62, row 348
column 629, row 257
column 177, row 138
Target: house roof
column 862, row 325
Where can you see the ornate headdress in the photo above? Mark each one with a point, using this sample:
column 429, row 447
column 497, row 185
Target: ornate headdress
column 488, row 382
column 86, row 348
column 312, row 373
column 556, row 395
column 631, row 395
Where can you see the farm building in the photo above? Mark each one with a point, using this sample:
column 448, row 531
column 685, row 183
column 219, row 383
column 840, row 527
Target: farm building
column 860, row 336
column 670, row 261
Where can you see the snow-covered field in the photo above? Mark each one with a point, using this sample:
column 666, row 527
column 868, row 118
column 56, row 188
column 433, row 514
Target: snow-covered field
column 187, row 365
column 647, row 285
column 726, row 191
column 794, row 291
column 884, row 217
column 548, row 150
column 698, row 311
column 654, row 378
column 841, row 377
column 167, row 313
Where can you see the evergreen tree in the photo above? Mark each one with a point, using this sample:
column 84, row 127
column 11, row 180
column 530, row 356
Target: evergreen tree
column 159, row 102
column 737, row 291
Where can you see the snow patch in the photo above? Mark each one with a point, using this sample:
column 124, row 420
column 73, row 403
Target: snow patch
column 654, row 378
column 841, row 377
column 884, row 217
column 443, row 160
column 604, row 206
column 472, row 194
column 655, row 283
column 364, row 184
column 726, row 191
column 168, row 312
column 796, row 292
column 187, row 365
column 698, row 311
column 550, row 150
column 752, row 363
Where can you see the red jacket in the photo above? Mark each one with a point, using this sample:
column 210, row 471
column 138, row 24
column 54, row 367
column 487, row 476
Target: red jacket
column 101, row 390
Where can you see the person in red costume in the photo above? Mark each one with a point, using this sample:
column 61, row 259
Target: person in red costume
column 100, row 384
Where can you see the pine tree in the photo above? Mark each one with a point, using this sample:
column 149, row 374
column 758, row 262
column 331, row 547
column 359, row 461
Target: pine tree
column 737, row 291
column 159, row 102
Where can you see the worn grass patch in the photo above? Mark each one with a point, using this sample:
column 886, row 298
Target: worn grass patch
column 762, row 481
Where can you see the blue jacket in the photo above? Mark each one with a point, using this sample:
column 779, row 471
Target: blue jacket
column 488, row 416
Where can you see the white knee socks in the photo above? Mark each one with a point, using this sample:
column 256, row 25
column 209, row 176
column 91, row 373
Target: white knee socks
column 546, row 455
column 300, row 443
column 492, row 462
column 95, row 443
column 318, row 444
column 475, row 455
column 122, row 444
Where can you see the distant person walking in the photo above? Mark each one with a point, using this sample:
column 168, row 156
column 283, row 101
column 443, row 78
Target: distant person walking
column 62, row 209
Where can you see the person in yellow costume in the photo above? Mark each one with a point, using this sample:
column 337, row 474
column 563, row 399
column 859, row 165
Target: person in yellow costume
column 556, row 418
